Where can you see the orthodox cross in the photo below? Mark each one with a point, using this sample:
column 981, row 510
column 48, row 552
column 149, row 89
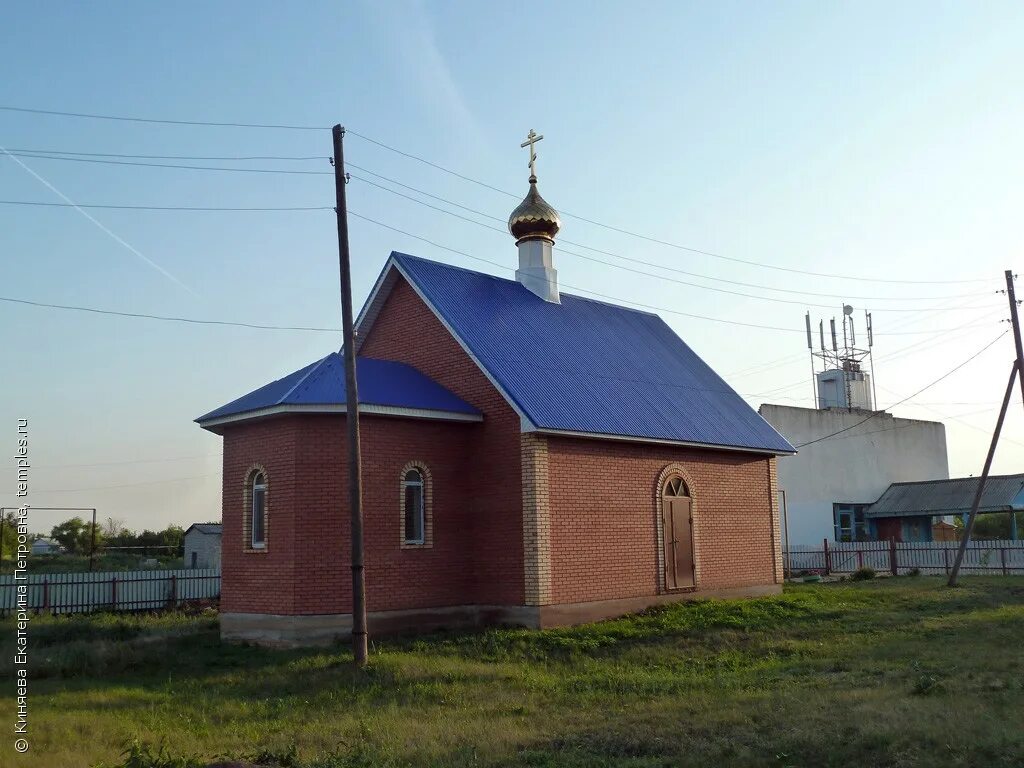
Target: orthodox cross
column 531, row 139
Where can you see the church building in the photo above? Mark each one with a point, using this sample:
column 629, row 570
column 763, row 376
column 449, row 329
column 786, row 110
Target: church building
column 530, row 458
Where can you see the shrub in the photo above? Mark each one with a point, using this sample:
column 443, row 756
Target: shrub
column 914, row 572
column 863, row 574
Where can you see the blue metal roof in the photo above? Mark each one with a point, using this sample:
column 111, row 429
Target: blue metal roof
column 588, row 366
column 381, row 382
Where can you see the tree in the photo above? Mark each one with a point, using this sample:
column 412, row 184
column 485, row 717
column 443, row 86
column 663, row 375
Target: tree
column 112, row 528
column 997, row 525
column 75, row 535
column 173, row 536
column 9, row 542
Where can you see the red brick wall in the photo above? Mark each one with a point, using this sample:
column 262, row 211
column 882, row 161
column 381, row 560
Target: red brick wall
column 406, row 330
column 307, row 566
column 259, row 582
column 604, row 513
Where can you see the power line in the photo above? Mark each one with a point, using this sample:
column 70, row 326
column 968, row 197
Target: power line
column 501, row 231
column 59, row 152
column 162, row 208
column 124, row 119
column 125, row 485
column 960, row 418
column 610, row 297
column 659, row 266
column 470, row 179
column 907, row 351
column 767, row 365
column 172, row 165
column 494, row 229
column 630, row 258
column 659, row 241
column 575, row 288
column 130, row 461
column 97, row 223
column 909, row 397
column 167, row 318
column 260, row 326
column 51, row 155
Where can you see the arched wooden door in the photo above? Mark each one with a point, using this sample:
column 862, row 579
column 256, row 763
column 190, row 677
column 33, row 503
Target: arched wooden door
column 677, row 528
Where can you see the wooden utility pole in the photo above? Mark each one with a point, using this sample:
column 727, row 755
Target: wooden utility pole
column 92, row 541
column 355, row 482
column 1015, row 320
column 1016, row 370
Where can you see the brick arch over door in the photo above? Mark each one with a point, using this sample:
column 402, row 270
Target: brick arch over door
column 667, row 474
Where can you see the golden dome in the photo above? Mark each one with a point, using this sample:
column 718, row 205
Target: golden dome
column 534, row 218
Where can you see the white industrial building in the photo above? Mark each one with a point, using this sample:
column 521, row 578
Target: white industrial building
column 828, row 484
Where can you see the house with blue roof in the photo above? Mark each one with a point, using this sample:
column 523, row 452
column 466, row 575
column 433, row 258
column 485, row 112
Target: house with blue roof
column 530, row 457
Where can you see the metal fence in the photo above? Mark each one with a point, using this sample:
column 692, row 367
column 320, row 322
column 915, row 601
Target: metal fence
column 1002, row 557
column 107, row 591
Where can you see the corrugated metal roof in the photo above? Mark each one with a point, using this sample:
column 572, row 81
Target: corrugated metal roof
column 381, row 382
column 214, row 528
column 587, row 366
column 946, row 497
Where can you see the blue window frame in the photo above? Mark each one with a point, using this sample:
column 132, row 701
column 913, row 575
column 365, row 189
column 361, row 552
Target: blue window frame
column 850, row 522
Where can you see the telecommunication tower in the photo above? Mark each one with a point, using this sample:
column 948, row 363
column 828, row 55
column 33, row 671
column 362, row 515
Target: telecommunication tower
column 842, row 381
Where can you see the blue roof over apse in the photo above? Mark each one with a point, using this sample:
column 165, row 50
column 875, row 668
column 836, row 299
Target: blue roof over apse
column 588, row 366
column 381, row 382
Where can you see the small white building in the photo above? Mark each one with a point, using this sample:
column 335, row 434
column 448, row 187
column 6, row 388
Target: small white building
column 830, row 482
column 202, row 545
column 45, row 547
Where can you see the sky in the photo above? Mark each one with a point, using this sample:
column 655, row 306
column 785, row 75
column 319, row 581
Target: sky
column 875, row 141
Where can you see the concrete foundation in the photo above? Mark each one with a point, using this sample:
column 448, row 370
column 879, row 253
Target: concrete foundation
column 279, row 631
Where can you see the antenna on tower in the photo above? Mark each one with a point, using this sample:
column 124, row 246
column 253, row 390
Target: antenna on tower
column 871, row 354
column 841, row 382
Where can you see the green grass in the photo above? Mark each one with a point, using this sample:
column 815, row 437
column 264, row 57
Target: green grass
column 889, row 672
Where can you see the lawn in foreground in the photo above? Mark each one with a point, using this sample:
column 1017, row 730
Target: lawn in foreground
column 894, row 672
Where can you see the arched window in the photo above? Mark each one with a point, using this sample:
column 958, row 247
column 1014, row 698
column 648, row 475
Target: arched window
column 676, row 486
column 258, row 510
column 414, row 507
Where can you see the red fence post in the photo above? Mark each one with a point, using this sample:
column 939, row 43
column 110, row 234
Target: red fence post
column 892, row 557
column 113, row 593
column 860, row 558
column 828, row 558
column 174, row 589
